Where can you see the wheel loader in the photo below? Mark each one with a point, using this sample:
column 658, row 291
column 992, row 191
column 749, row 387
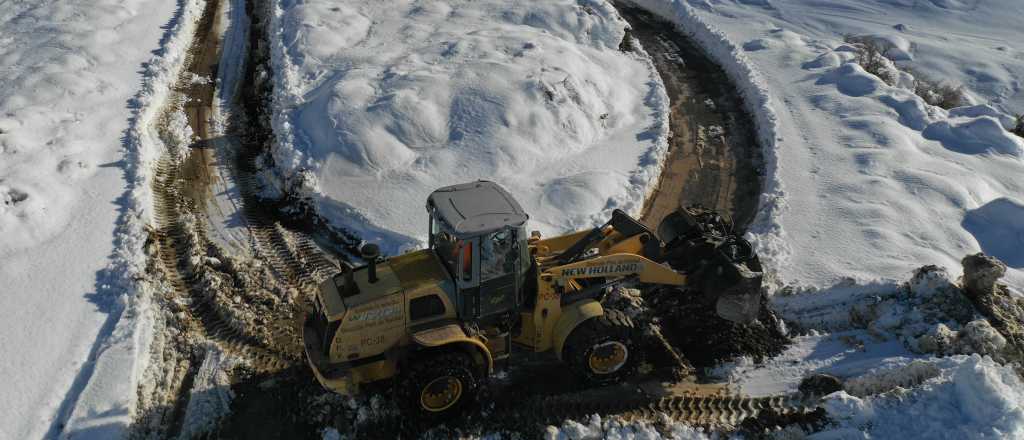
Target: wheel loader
column 436, row 322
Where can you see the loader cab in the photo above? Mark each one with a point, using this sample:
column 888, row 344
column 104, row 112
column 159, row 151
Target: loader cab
column 477, row 230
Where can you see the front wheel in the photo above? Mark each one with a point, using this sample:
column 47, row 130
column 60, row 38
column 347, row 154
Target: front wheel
column 437, row 386
column 603, row 350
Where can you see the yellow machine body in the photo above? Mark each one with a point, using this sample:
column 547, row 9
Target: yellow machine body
column 375, row 335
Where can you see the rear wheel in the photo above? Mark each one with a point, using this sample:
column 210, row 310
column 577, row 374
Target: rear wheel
column 437, row 386
column 603, row 350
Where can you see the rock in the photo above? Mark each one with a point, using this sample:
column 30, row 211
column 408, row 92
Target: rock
column 981, row 273
column 927, row 280
column 820, row 384
column 1003, row 312
column 980, row 337
column 940, row 340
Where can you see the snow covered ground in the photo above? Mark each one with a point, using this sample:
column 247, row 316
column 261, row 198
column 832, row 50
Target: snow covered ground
column 69, row 70
column 865, row 183
column 379, row 103
column 871, row 181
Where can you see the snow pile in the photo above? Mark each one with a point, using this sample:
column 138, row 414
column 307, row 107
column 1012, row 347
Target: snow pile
column 377, row 104
column 878, row 181
column 107, row 402
column 965, row 397
column 974, row 135
column 999, row 228
column 610, row 428
column 928, row 314
column 211, row 395
column 71, row 242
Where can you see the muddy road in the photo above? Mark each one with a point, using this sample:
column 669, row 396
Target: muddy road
column 227, row 358
column 713, row 158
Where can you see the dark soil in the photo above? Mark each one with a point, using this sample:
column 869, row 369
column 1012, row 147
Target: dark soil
column 690, row 323
column 766, row 422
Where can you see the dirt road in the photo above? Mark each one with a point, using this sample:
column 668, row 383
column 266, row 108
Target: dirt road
column 713, row 157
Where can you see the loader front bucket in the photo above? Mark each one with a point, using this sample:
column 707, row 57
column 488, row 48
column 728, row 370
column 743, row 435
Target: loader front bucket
column 738, row 294
column 718, row 263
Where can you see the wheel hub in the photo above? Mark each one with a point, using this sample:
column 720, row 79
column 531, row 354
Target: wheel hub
column 441, row 393
column 608, row 357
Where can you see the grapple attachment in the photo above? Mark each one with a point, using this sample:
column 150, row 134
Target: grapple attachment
column 719, row 263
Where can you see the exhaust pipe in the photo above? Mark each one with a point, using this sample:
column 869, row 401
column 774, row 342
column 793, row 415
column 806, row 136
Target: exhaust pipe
column 370, row 252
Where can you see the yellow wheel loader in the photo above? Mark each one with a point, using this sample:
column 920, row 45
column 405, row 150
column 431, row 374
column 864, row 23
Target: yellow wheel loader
column 435, row 321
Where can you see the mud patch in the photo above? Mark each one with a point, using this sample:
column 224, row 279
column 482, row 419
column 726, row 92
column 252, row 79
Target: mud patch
column 772, row 425
column 690, row 323
column 714, row 159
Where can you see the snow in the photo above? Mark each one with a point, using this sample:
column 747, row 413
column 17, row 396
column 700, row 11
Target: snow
column 377, row 104
column 67, row 254
column 968, row 397
column 210, row 396
column 871, row 181
column 999, row 228
column 597, row 428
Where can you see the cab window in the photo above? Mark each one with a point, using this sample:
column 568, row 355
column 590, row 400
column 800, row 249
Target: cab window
column 497, row 257
column 446, row 247
column 425, row 307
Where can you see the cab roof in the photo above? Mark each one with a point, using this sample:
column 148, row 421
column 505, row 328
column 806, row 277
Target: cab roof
column 475, row 208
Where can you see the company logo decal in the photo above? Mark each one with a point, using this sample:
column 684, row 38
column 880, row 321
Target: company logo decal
column 605, row 269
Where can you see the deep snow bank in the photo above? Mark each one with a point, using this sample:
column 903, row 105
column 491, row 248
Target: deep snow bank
column 377, row 104
column 966, row 397
column 877, row 181
column 69, row 236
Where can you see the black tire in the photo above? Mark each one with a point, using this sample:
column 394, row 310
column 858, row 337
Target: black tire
column 595, row 345
column 435, row 374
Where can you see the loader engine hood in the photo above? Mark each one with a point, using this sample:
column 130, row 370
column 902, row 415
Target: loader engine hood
column 351, row 287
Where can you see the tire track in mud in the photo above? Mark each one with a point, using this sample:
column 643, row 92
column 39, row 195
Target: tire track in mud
column 189, row 258
column 713, row 159
column 208, row 295
column 250, row 305
column 698, row 406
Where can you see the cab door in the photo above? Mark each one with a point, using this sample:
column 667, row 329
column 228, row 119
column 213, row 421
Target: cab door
column 499, row 272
